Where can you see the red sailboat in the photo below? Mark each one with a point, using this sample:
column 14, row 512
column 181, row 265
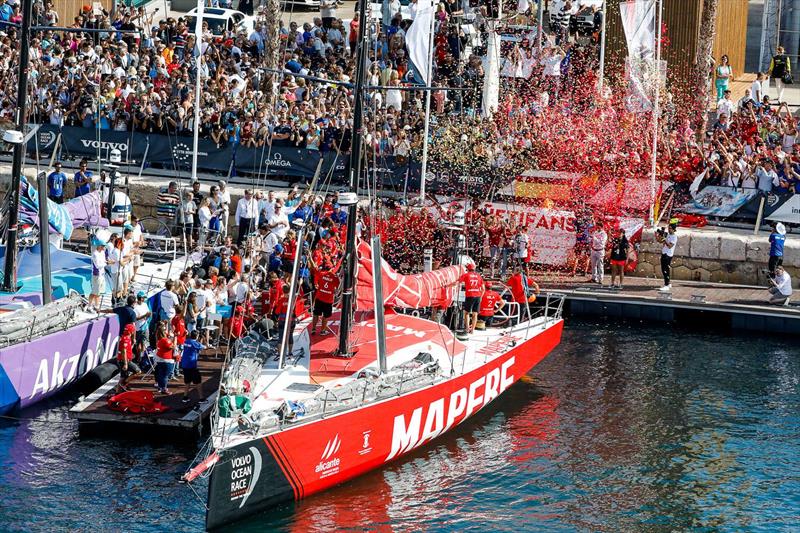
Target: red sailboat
column 325, row 409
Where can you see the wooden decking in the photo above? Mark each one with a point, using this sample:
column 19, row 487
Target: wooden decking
column 182, row 416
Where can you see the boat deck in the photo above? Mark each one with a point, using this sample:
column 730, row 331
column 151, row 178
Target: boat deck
column 736, row 307
column 182, row 416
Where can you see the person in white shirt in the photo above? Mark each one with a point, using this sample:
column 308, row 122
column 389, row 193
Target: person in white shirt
column 551, row 62
column 266, row 241
column 781, row 289
column 207, row 302
column 266, row 207
column 98, row 276
column 279, row 223
column 168, row 300
column 114, row 259
column 204, row 218
column 726, row 106
column 186, row 211
column 327, row 10
column 128, row 254
column 143, row 314
column 246, row 215
column 598, row 253
column 138, row 243
column 223, row 201
column 521, row 242
column 240, row 290
column 767, row 177
column 757, row 88
column 668, row 240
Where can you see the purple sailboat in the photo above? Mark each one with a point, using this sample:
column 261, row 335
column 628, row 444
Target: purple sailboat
column 46, row 347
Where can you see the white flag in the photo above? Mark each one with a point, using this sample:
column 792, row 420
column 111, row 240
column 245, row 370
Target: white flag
column 639, row 23
column 418, row 40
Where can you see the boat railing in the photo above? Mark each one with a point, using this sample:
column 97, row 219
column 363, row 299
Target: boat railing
column 554, row 306
column 24, row 325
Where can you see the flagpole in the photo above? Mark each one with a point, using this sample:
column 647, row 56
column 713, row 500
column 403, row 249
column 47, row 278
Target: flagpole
column 199, row 43
column 602, row 49
column 540, row 29
column 428, row 81
column 656, row 110
column 491, row 78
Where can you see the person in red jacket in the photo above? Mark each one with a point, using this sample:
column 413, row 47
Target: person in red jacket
column 491, row 302
column 473, row 290
column 523, row 288
column 237, row 322
column 179, row 329
column 326, row 281
column 165, row 357
column 273, row 292
column 127, row 368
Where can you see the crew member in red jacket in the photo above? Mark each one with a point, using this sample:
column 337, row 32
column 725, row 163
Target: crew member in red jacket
column 523, row 289
column 473, row 290
column 127, row 367
column 491, row 302
column 326, row 281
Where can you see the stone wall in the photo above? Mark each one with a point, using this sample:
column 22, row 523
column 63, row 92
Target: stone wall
column 719, row 255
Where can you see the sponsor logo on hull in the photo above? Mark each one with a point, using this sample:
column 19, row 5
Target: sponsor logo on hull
column 328, row 464
column 409, row 432
column 245, row 471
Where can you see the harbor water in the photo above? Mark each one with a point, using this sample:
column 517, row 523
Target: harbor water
column 625, row 427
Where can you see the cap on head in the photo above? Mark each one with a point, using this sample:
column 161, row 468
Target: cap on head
column 470, row 266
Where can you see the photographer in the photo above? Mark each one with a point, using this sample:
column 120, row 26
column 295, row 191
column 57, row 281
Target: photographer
column 780, row 289
column 668, row 239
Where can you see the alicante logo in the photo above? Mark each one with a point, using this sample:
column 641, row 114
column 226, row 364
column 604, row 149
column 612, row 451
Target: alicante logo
column 245, row 471
column 329, row 464
column 277, row 161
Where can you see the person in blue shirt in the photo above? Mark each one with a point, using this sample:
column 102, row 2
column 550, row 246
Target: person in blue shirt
column 233, row 131
column 339, row 215
column 6, row 11
column 303, row 212
column 55, row 184
column 776, row 241
column 275, row 259
column 83, row 179
column 191, row 374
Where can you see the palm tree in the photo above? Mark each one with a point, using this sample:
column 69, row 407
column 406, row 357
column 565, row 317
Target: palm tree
column 704, row 60
column 272, row 46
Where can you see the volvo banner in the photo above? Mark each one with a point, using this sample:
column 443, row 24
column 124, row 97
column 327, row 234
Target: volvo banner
column 175, row 153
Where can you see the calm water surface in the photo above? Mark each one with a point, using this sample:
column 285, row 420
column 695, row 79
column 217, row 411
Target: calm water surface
column 623, row 428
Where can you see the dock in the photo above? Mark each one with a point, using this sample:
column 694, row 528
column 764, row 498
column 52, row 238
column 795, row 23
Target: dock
column 185, row 417
column 693, row 303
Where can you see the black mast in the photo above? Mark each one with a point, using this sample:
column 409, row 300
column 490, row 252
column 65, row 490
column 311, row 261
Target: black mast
column 10, row 267
column 354, row 170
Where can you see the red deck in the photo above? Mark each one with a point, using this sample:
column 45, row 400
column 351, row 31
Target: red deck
column 402, row 332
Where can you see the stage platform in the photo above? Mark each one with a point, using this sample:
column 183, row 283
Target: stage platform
column 94, row 410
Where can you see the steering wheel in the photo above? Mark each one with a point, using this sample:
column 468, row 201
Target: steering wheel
column 504, row 317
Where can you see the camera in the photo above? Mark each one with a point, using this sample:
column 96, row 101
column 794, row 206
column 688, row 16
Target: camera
column 661, row 233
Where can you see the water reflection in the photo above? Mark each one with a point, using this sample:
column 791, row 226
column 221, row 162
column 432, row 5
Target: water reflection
column 623, row 428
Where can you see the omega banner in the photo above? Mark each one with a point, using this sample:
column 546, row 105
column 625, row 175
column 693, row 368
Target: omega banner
column 175, row 153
